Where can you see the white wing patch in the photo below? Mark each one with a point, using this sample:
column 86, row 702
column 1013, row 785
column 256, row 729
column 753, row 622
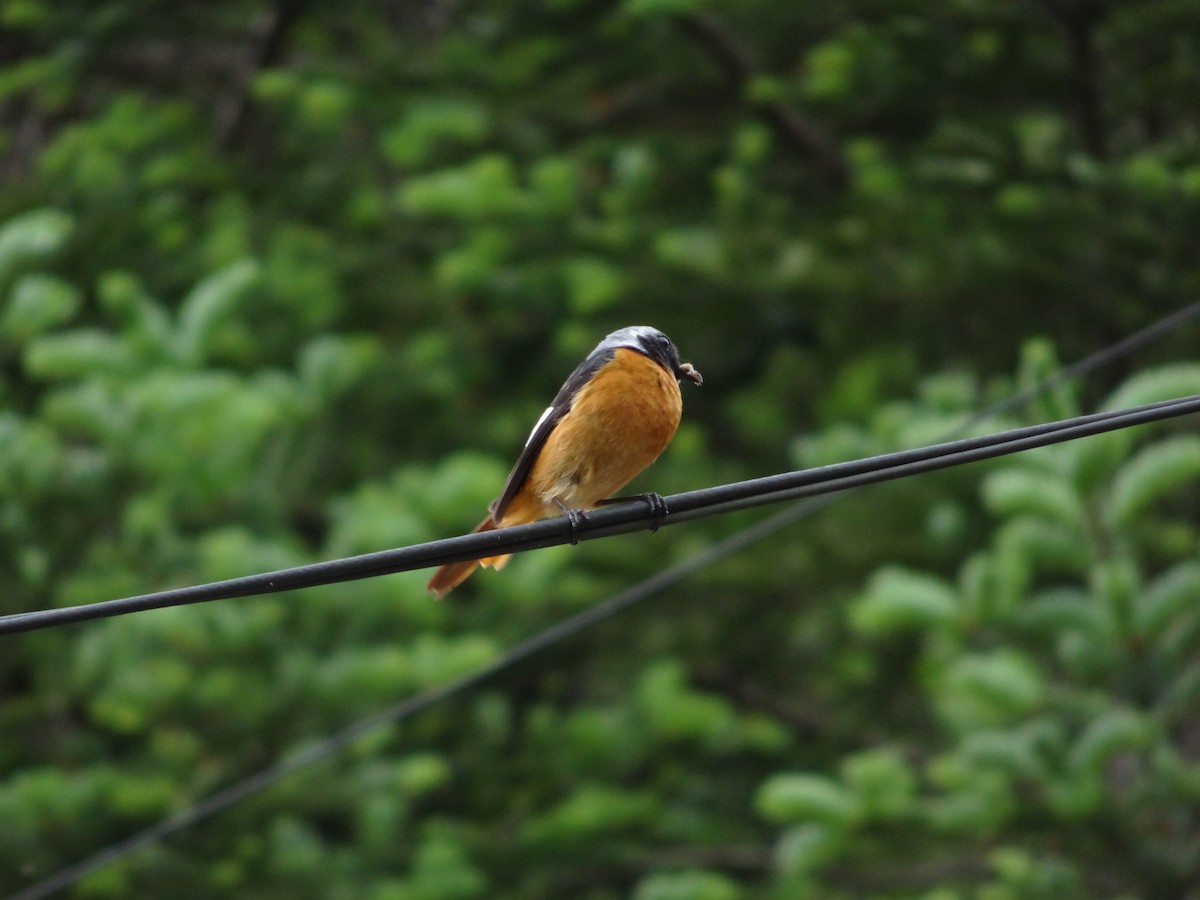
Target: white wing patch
column 538, row 424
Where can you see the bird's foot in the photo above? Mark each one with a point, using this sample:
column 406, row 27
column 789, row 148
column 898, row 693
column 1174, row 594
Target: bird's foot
column 575, row 518
column 658, row 506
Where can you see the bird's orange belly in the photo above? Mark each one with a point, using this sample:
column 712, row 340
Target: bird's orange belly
column 618, row 424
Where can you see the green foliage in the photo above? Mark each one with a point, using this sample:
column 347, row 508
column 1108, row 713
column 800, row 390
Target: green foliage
column 1161, row 471
column 1059, row 704
column 787, row 798
column 898, row 600
column 281, row 283
column 38, row 303
column 687, row 885
column 30, row 237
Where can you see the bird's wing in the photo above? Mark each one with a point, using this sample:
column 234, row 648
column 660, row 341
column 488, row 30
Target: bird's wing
column 549, row 420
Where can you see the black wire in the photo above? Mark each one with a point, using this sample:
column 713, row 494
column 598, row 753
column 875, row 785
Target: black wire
column 1089, row 363
column 619, row 518
column 872, row 470
column 552, row 635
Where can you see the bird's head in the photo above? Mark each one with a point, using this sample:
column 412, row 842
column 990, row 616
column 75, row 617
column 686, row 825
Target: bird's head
column 654, row 344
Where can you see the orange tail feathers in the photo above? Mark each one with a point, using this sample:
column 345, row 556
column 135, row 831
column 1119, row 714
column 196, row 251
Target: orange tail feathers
column 451, row 575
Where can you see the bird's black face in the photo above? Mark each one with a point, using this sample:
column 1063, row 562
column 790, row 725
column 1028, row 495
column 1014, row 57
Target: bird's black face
column 658, row 347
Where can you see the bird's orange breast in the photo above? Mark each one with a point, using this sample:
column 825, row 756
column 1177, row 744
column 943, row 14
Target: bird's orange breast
column 619, row 423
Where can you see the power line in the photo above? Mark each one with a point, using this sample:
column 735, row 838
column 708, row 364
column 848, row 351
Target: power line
column 389, row 561
column 563, row 630
column 620, row 518
column 1090, row 363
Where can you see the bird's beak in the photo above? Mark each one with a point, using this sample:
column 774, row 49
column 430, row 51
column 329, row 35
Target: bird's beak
column 688, row 371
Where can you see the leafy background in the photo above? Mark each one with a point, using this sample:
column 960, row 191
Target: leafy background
column 287, row 282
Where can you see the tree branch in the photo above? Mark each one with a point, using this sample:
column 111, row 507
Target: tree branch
column 1080, row 20
column 795, row 129
column 266, row 47
column 1085, row 68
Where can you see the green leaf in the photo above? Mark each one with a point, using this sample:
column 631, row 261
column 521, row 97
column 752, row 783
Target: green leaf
column 831, row 68
column 593, row 284
column 975, row 799
column 365, row 674
column 483, row 188
column 877, row 178
column 883, row 783
column 806, row 848
column 433, row 125
column 1013, row 752
column 477, row 263
column 423, row 773
column 142, row 317
column 556, row 182
column 675, row 711
column 591, row 811
column 39, row 73
column 798, row 797
column 1174, row 592
column 1112, row 732
column 1014, row 491
column 988, row 689
column 442, row 869
column 1044, row 876
column 698, row 250
column 1179, row 698
column 689, row 884
column 31, row 237
column 38, row 303
column 31, row 457
column 1093, row 461
column 1040, row 364
column 326, row 103
column 1165, row 469
column 209, row 306
column 1027, row 543
column 902, row 600
column 1152, row 385
column 1051, row 613
column 295, row 849
column 74, row 354
column 1148, row 173
column 437, row 659
column 272, row 85
column 1041, row 138
column 1020, row 201
column 331, row 365
column 605, row 739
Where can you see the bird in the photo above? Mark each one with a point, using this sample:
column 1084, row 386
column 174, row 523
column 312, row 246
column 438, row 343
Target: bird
column 611, row 419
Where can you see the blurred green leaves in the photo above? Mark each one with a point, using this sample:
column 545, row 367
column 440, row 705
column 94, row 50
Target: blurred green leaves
column 432, row 127
column 38, row 303
column 287, row 283
column 486, row 187
column 898, row 600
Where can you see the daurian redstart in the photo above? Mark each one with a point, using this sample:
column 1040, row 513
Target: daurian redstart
column 612, row 418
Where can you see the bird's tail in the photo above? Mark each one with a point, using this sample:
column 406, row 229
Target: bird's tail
column 451, row 575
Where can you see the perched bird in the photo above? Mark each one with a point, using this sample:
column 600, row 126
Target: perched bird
column 614, row 415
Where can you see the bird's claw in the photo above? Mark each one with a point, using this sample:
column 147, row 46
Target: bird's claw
column 575, row 518
column 658, row 508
